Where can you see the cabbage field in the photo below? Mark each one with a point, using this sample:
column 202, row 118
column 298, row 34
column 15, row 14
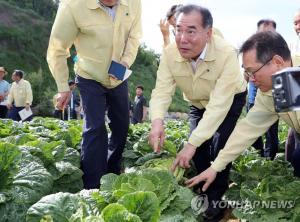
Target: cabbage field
column 40, row 179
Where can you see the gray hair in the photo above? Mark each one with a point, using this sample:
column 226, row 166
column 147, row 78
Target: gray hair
column 207, row 19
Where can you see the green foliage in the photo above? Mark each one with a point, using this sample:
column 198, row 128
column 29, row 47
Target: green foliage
column 258, row 180
column 58, row 207
column 139, row 196
column 118, row 213
column 138, row 151
column 42, row 93
column 164, row 164
column 142, row 203
column 44, row 8
column 148, row 192
column 159, row 181
column 8, row 157
column 31, row 183
column 39, row 163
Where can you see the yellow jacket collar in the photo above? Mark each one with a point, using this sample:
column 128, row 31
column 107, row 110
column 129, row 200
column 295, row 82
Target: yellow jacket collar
column 268, row 93
column 124, row 2
column 93, row 4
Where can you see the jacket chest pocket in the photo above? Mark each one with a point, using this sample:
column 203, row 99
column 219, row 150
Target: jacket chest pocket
column 21, row 91
column 102, row 32
column 184, row 82
column 203, row 87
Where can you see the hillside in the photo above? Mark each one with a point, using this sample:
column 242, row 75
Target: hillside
column 23, row 38
column 24, row 33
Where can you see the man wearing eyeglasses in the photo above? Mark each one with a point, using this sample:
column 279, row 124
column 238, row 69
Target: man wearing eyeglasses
column 206, row 69
column 272, row 143
column 263, row 55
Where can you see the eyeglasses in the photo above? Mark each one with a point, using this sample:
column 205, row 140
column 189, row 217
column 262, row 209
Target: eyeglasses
column 190, row 33
column 250, row 74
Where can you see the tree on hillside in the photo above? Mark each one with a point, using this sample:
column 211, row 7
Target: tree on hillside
column 45, row 8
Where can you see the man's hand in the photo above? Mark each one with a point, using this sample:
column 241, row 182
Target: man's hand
column 27, row 106
column 63, row 100
column 164, row 27
column 9, row 106
column 208, row 176
column 125, row 64
column 157, row 135
column 184, row 156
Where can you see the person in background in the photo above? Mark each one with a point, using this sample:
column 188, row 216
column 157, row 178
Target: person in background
column 206, row 69
column 291, row 141
column 295, row 46
column 69, row 112
column 130, row 106
column 74, row 101
column 4, row 90
column 19, row 97
column 165, row 24
column 101, row 31
column 58, row 113
column 264, row 54
column 272, row 142
column 139, row 109
column 170, row 20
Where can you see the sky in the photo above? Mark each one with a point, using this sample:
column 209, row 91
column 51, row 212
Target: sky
column 236, row 19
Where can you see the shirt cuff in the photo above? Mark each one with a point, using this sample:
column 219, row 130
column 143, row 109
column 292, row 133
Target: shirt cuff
column 156, row 115
column 195, row 140
column 218, row 166
column 127, row 61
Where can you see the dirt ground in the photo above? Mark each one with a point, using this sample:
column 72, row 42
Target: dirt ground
column 228, row 217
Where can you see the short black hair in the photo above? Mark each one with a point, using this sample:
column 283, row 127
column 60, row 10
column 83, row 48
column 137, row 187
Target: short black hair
column 19, row 73
column 71, row 82
column 139, row 87
column 207, row 19
column 172, row 11
column 267, row 44
column 266, row 21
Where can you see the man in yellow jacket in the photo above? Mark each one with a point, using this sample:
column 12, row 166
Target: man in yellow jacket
column 19, row 96
column 263, row 55
column 101, row 31
column 206, row 69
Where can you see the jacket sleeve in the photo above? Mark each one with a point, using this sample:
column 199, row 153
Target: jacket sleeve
column 62, row 36
column 161, row 96
column 29, row 96
column 256, row 123
column 134, row 37
column 220, row 101
column 10, row 97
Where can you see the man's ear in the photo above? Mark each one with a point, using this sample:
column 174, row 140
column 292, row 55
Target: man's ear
column 278, row 61
column 209, row 33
